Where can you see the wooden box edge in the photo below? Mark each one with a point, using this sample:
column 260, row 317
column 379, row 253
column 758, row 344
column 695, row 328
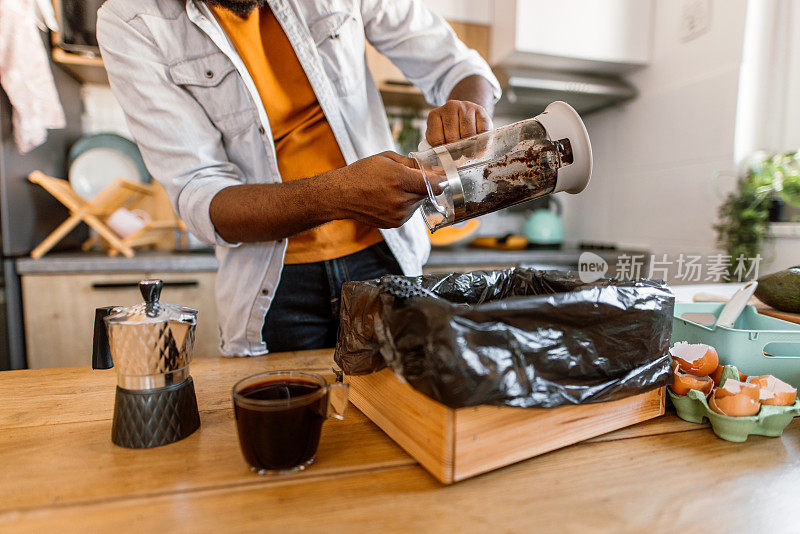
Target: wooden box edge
column 452, row 443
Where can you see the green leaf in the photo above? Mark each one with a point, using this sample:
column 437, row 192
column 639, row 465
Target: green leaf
column 742, row 224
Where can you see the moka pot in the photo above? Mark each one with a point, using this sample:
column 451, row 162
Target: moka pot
column 150, row 345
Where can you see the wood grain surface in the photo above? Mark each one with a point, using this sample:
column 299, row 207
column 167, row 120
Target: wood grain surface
column 457, row 444
column 60, row 473
column 785, row 316
column 488, row 437
column 419, row 425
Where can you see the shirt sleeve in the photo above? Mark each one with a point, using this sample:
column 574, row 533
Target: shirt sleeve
column 423, row 46
column 180, row 145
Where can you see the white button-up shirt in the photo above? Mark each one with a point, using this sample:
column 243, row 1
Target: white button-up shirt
column 201, row 125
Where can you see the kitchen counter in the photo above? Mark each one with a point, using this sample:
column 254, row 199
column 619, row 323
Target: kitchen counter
column 537, row 257
column 61, row 473
column 155, row 261
column 96, row 262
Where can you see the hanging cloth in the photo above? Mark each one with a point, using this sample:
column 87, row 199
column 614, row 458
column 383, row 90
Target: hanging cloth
column 25, row 74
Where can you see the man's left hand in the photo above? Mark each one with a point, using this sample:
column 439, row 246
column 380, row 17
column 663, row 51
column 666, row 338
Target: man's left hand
column 456, row 120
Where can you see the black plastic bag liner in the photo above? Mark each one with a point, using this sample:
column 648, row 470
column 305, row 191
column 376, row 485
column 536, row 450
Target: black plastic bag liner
column 516, row 337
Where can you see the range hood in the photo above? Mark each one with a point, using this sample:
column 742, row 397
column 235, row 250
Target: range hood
column 527, row 91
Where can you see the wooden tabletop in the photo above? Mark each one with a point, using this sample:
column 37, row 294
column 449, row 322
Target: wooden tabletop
column 59, row 472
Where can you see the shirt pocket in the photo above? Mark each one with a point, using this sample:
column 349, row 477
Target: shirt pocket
column 213, row 81
column 339, row 38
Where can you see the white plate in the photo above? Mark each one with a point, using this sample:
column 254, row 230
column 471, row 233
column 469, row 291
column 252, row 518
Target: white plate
column 95, row 169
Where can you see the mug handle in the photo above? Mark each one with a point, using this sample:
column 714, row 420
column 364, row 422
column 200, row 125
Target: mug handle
column 337, row 400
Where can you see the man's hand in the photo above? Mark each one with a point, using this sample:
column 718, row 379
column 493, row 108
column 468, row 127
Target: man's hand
column 382, row 190
column 468, row 111
column 456, row 120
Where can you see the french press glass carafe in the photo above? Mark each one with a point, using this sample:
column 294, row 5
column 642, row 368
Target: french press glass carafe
column 497, row 169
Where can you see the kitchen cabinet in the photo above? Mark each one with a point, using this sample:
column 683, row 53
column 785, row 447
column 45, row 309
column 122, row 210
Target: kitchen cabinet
column 59, row 310
column 599, row 36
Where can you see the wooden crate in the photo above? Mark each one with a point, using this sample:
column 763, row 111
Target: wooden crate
column 454, row 444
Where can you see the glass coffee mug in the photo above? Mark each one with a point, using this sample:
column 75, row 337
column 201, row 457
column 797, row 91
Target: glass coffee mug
column 279, row 418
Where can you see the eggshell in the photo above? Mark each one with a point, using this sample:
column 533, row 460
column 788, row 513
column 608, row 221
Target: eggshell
column 717, row 374
column 683, row 382
column 773, row 391
column 737, row 387
column 698, row 359
column 735, row 399
column 769, row 421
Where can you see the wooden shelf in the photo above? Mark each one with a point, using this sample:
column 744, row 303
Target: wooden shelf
column 87, row 69
column 83, row 67
column 402, row 96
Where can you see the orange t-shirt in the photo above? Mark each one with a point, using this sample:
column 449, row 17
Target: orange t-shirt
column 304, row 142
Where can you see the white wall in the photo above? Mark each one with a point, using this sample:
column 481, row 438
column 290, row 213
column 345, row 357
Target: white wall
column 768, row 105
column 655, row 156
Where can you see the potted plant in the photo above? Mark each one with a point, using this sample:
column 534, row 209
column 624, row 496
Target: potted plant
column 744, row 216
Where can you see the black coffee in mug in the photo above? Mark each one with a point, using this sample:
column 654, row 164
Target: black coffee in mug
column 279, row 418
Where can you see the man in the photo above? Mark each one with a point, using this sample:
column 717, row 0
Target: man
column 263, row 123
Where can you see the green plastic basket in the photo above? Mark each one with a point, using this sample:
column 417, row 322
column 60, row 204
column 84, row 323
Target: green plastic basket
column 757, row 344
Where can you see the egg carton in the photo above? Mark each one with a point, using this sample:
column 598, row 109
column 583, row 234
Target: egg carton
column 769, row 421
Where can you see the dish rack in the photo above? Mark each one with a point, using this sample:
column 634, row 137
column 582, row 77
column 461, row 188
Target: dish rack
column 117, row 194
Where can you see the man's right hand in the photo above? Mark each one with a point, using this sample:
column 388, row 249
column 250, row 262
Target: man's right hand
column 381, row 191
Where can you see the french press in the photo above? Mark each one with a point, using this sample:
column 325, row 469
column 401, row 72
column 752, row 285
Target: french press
column 150, row 345
column 511, row 164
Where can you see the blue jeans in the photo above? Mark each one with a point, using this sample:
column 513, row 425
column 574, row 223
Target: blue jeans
column 305, row 311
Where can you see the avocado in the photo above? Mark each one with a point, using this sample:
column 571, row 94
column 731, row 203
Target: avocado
column 781, row 290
